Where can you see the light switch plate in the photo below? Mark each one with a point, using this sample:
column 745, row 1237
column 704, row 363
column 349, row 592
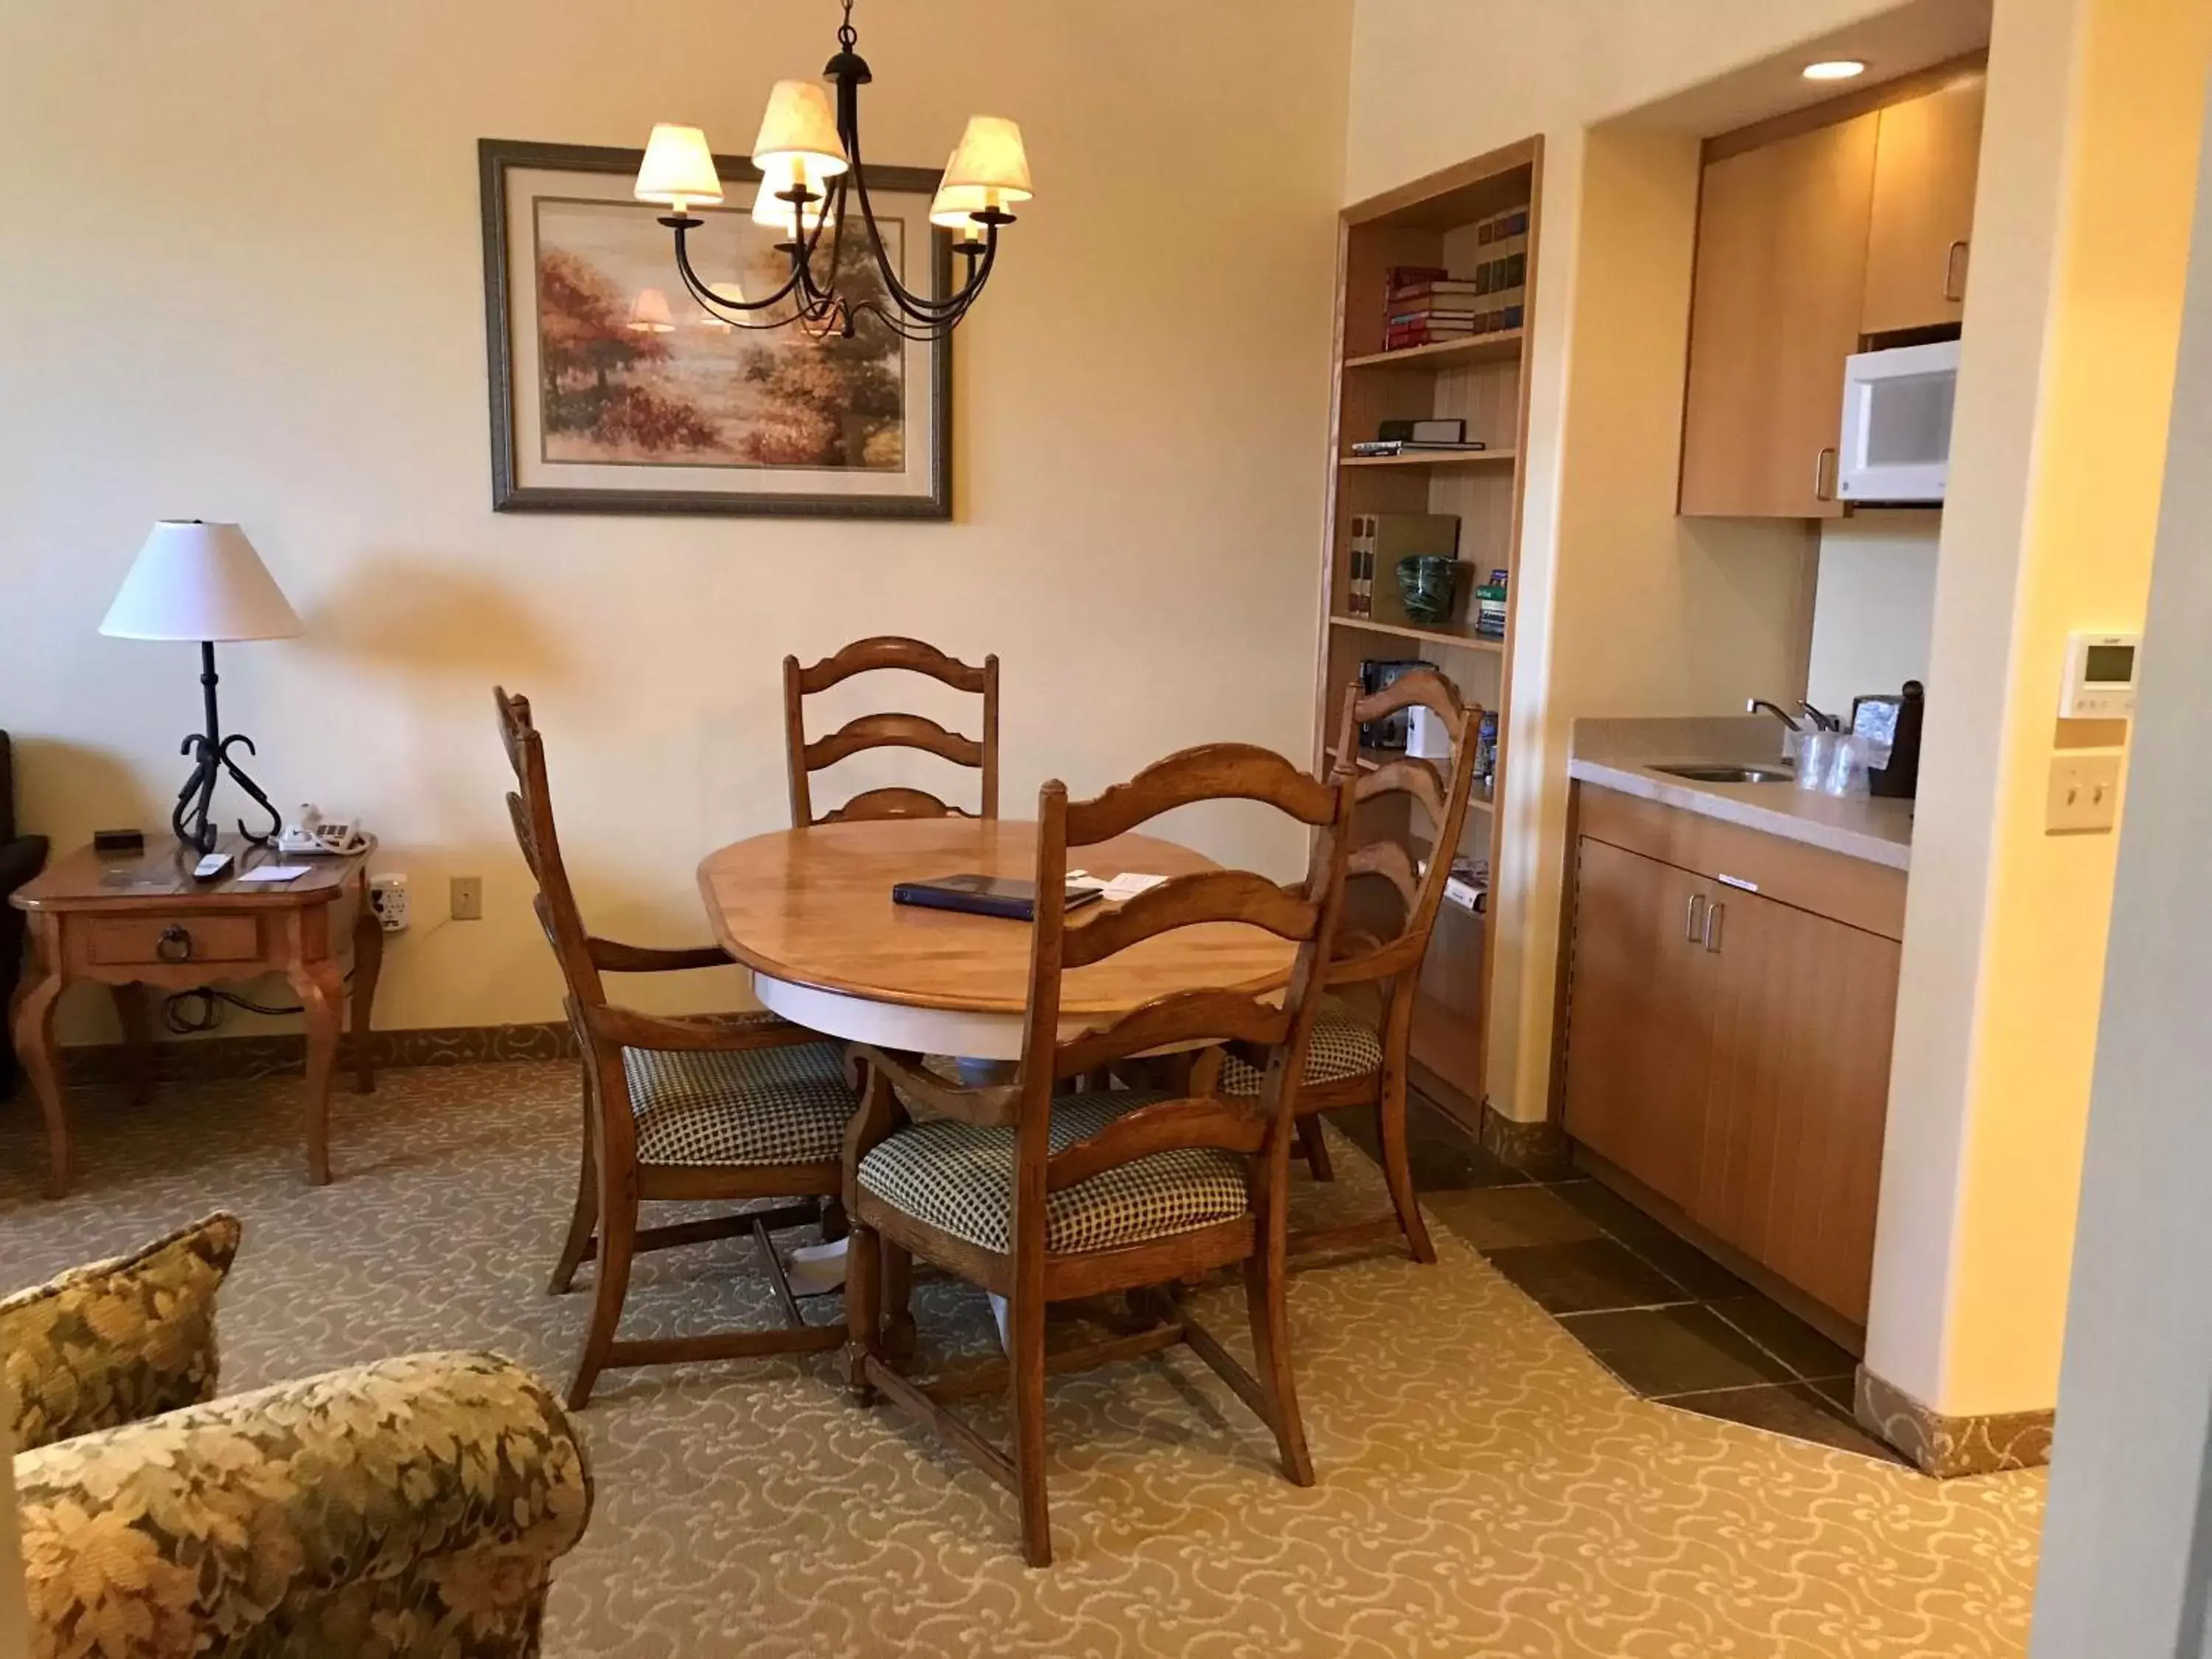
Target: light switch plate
column 2084, row 794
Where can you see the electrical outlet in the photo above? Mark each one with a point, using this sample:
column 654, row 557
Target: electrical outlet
column 2084, row 794
column 387, row 897
column 468, row 898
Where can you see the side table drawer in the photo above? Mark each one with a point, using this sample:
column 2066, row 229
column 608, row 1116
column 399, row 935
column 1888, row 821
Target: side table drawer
column 135, row 941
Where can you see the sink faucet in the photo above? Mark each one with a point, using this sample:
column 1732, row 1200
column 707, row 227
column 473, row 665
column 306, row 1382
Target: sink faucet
column 1791, row 730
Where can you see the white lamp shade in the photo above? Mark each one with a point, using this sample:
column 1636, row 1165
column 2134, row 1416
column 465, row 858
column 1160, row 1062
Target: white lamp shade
column 800, row 126
column 199, row 582
column 955, row 204
column 989, row 156
column 768, row 208
column 648, row 313
column 679, row 168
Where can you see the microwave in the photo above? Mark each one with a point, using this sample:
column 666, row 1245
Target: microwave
column 1895, row 450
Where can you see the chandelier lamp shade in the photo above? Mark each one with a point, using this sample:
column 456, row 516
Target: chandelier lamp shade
column 812, row 190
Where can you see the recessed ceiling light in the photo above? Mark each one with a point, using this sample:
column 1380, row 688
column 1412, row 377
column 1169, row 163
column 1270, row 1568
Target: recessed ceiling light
column 1834, row 69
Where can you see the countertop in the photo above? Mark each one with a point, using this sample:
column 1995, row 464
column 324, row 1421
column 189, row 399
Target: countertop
column 1622, row 755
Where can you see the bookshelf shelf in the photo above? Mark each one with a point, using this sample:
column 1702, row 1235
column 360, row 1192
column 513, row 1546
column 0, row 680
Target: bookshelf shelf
column 1453, row 458
column 1446, row 354
column 1469, row 503
column 1465, row 640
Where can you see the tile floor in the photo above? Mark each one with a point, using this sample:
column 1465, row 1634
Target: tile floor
column 1660, row 1315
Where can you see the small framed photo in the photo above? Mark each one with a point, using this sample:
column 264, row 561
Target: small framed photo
column 614, row 391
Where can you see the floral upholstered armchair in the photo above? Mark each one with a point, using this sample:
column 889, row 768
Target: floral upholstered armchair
column 408, row 1508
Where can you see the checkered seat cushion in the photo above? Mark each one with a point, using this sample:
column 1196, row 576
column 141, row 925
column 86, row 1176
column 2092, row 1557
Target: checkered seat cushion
column 959, row 1177
column 756, row 1106
column 1344, row 1045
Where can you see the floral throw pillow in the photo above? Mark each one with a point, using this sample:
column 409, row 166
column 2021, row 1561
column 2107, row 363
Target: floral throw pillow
column 120, row 1340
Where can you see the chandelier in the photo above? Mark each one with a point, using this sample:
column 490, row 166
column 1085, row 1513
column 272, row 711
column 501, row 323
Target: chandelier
column 812, row 179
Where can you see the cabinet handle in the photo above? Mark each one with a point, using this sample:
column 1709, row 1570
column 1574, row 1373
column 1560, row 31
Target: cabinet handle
column 1822, row 489
column 175, row 945
column 1693, row 924
column 1713, row 928
column 1955, row 285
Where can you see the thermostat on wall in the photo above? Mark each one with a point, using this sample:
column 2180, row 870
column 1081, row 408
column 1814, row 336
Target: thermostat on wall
column 2101, row 676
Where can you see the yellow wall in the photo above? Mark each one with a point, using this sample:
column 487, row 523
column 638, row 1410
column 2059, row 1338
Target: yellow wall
column 1613, row 587
column 240, row 277
column 2073, row 315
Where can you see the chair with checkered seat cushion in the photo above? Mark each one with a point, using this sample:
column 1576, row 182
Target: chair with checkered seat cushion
column 729, row 1107
column 1357, row 1061
column 958, row 1177
column 710, row 1107
column 1344, row 1046
column 1040, row 1195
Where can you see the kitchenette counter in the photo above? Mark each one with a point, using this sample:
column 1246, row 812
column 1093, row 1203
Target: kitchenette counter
column 1625, row 755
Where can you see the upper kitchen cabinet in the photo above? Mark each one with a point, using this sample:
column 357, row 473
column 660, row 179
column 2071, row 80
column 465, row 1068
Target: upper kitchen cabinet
column 1775, row 309
column 1921, row 237
column 1817, row 229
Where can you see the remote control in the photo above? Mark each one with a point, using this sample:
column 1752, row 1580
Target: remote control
column 214, row 867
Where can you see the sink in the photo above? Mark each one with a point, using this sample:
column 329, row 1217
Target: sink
column 1731, row 774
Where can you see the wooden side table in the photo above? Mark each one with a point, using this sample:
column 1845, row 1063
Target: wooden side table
column 141, row 922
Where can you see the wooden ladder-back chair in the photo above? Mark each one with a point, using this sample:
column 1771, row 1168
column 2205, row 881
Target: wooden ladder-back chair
column 889, row 731
column 1041, row 1196
column 729, row 1106
column 1352, row 1061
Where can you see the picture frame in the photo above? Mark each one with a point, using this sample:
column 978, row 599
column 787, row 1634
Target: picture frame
column 614, row 394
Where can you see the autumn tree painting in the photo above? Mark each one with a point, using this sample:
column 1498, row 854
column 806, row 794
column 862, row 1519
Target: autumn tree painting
column 631, row 370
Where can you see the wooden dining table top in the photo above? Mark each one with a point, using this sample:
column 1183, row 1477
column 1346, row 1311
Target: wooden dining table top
column 813, row 906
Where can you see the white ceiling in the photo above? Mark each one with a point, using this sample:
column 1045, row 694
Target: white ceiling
column 1892, row 43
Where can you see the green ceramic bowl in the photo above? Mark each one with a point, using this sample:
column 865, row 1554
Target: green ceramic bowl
column 1428, row 582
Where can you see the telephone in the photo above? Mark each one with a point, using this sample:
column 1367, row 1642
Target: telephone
column 311, row 833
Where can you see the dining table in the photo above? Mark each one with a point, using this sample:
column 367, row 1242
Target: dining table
column 810, row 912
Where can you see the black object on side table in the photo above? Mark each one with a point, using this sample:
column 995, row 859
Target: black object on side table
column 22, row 857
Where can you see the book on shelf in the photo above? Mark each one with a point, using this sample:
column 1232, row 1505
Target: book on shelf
column 1489, row 607
column 1397, row 336
column 1467, row 884
column 1380, row 448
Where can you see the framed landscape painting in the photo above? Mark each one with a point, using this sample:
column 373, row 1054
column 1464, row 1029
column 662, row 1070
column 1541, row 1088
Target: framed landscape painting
column 613, row 391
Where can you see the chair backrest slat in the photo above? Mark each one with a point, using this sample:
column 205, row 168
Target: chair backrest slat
column 1220, row 771
column 1187, row 902
column 881, row 730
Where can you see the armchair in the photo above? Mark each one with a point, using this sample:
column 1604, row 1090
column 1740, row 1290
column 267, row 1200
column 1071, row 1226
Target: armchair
column 22, row 857
column 413, row 1507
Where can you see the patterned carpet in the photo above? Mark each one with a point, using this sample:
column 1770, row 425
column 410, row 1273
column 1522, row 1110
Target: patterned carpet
column 1486, row 1488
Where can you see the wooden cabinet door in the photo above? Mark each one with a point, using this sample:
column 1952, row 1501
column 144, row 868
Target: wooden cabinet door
column 1639, row 1017
column 1780, row 283
column 1791, row 1166
column 1925, row 157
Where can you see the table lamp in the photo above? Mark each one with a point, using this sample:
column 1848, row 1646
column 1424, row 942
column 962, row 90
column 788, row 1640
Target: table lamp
column 203, row 581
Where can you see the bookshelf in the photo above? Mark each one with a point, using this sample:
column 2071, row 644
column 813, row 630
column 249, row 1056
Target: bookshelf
column 1481, row 380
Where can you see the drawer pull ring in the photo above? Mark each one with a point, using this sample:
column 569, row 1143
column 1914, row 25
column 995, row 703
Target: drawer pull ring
column 175, row 945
